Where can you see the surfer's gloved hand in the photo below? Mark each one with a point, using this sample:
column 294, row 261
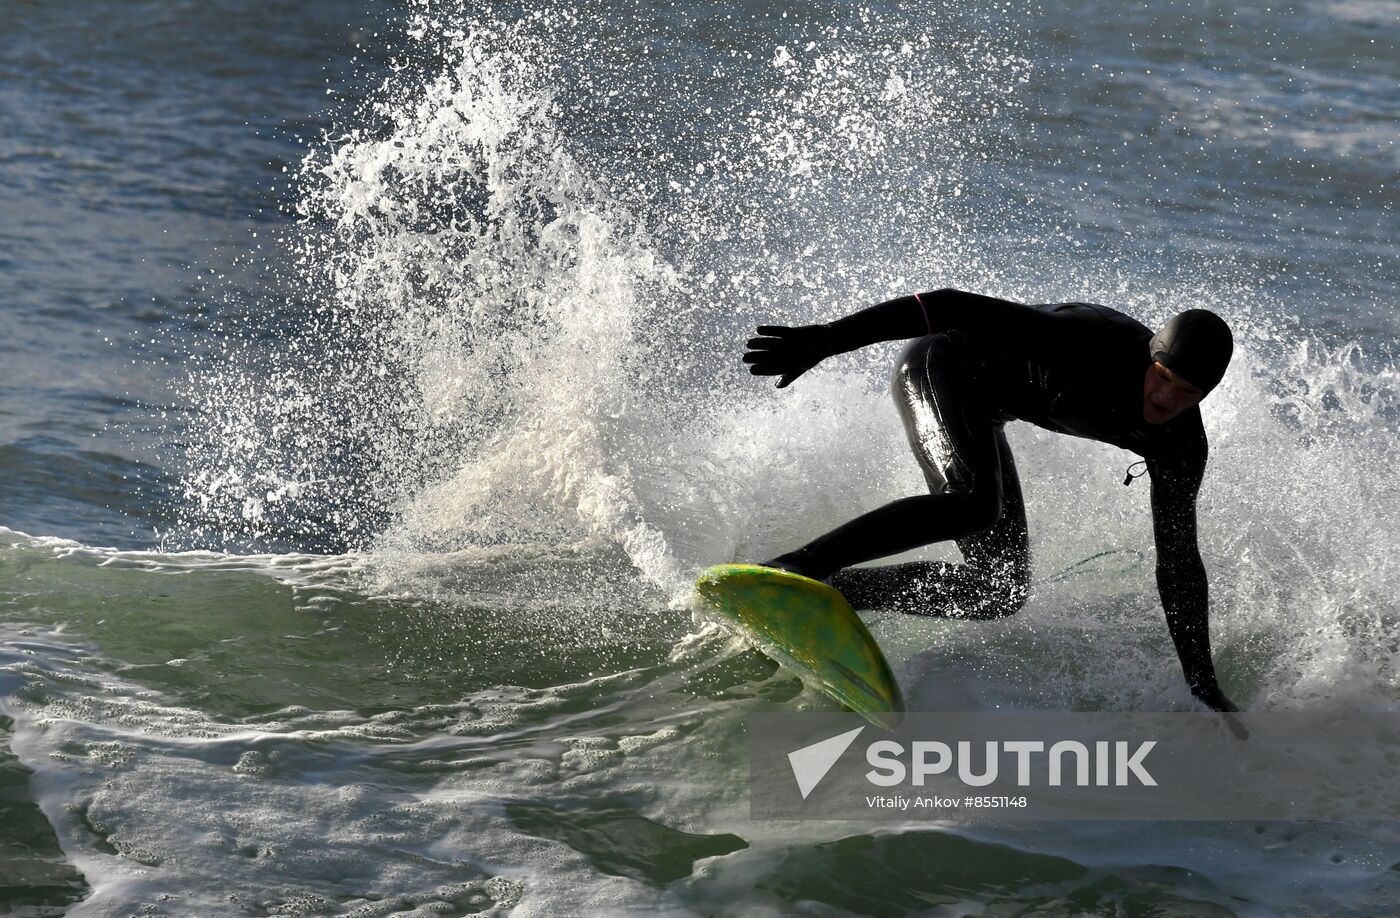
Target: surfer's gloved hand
column 1215, row 699
column 1208, row 693
column 789, row 352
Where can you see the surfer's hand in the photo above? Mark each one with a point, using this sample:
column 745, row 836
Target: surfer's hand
column 1236, row 726
column 788, row 352
column 1216, row 701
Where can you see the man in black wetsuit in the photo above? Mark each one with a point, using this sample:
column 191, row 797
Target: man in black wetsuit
column 1076, row 368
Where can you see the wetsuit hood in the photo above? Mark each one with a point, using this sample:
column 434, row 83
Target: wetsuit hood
column 1196, row 345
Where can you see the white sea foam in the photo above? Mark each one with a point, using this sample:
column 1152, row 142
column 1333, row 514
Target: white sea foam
column 506, row 348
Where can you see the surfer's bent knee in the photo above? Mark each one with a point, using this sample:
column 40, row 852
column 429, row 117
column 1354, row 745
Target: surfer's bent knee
column 979, row 505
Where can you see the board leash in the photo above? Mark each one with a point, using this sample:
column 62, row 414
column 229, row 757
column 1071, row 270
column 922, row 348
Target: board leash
column 1074, row 570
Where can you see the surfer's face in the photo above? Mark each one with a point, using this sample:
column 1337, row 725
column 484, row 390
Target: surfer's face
column 1165, row 395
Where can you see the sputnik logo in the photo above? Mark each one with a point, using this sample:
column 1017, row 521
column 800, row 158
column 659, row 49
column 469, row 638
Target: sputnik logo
column 811, row 763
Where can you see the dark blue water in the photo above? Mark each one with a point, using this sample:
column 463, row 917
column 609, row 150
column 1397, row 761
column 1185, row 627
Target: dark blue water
column 144, row 144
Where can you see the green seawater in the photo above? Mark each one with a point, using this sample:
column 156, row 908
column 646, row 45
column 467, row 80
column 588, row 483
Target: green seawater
column 266, row 736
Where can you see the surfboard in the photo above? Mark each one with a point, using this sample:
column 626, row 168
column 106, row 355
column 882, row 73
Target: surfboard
column 808, row 627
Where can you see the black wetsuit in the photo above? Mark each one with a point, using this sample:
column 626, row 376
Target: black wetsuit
column 978, row 362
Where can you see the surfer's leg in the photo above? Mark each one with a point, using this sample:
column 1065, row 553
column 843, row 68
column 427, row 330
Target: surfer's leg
column 957, row 445
column 1001, row 556
column 994, row 582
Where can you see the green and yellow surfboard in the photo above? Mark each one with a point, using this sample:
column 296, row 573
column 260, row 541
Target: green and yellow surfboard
column 808, row 627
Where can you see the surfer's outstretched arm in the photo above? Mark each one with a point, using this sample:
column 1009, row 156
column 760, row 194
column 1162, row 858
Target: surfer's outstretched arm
column 1181, row 575
column 788, row 352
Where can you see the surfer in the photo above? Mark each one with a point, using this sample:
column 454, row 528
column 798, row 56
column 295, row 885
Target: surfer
column 1075, row 368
